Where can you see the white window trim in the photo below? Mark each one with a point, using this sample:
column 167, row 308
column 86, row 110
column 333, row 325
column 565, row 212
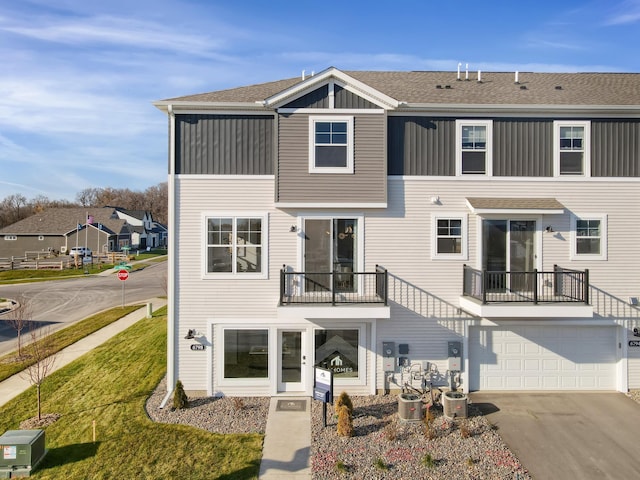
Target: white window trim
column 464, row 241
column 489, row 148
column 226, row 382
column 586, row 143
column 265, row 250
column 361, row 379
column 312, row 144
column 603, row 237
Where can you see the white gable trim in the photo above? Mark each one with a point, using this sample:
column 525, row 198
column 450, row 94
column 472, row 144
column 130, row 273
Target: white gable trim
column 325, row 77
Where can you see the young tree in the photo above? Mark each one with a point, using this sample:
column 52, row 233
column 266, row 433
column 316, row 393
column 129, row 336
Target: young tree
column 44, row 358
column 18, row 318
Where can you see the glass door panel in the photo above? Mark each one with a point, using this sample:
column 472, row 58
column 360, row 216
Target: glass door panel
column 494, row 254
column 521, row 254
column 344, row 248
column 317, row 255
column 292, row 359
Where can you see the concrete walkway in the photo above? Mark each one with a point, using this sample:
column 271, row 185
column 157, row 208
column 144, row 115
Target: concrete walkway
column 287, row 440
column 15, row 385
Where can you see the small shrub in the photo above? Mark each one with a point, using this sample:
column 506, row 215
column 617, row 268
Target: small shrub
column 180, row 399
column 470, row 462
column 380, row 464
column 342, row 467
column 345, row 422
column 428, row 461
column 344, row 399
column 465, row 431
column 391, row 431
column 238, row 403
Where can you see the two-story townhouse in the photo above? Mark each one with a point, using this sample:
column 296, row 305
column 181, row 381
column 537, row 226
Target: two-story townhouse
column 385, row 224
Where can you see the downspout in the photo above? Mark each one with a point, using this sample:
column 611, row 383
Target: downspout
column 171, row 269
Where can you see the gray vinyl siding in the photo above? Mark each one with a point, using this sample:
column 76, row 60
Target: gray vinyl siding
column 615, row 148
column 346, row 99
column 523, row 148
column 368, row 183
column 319, row 98
column 224, row 144
column 422, row 146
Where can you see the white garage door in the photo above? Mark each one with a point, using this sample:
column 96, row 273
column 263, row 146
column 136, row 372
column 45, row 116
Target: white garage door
column 542, row 358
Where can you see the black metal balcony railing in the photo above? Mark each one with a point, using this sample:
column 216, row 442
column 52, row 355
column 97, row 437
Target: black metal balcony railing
column 561, row 285
column 334, row 288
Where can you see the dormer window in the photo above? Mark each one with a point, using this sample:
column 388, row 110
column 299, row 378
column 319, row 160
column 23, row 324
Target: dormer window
column 330, row 144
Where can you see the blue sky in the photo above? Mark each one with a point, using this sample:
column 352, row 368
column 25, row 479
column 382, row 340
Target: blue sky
column 79, row 77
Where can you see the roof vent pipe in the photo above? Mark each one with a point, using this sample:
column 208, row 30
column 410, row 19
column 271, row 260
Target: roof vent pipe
column 479, row 76
column 303, row 74
column 459, row 65
column 312, row 73
column 466, row 72
column 517, row 77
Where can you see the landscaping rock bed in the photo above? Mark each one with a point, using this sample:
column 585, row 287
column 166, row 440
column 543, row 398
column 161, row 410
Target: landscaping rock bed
column 382, row 446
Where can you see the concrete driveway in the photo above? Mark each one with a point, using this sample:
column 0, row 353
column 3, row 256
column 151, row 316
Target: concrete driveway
column 568, row 435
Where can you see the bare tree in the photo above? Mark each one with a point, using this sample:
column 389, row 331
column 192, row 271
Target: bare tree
column 18, row 318
column 44, row 356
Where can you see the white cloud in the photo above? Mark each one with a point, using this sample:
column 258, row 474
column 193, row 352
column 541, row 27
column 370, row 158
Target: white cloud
column 628, row 12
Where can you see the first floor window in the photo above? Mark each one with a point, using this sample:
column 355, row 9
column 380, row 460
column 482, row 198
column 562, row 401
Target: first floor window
column 449, row 236
column 337, row 350
column 234, row 244
column 246, row 353
column 589, row 237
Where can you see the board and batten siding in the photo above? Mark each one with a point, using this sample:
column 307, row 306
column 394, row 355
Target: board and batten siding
column 522, row 148
column 368, row 183
column 616, row 148
column 224, row 144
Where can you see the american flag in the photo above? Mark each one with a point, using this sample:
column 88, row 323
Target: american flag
column 89, row 219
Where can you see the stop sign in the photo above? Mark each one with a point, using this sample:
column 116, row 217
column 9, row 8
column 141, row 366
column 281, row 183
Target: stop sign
column 123, row 274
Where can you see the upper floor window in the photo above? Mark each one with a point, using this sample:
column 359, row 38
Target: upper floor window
column 473, row 147
column 234, row 245
column 589, row 240
column 10, row 237
column 330, row 144
column 571, row 148
column 449, row 237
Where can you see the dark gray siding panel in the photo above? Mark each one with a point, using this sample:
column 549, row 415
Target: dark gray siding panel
column 523, row 147
column 224, row 144
column 346, row 99
column 615, row 148
column 317, row 99
column 368, row 183
column 422, row 146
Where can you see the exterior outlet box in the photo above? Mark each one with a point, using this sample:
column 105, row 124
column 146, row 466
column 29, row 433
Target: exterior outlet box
column 454, row 354
column 403, row 349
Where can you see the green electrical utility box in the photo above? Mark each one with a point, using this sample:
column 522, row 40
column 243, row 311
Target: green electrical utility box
column 20, row 452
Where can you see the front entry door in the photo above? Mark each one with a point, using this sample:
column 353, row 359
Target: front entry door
column 509, row 246
column 292, row 361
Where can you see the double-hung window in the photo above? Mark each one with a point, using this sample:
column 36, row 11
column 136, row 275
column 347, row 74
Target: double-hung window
column 473, row 147
column 589, row 240
column 235, row 245
column 330, row 144
column 448, row 239
column 571, row 148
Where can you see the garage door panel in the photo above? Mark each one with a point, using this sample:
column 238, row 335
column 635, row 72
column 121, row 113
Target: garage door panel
column 541, row 357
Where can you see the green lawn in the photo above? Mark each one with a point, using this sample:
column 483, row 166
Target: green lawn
column 24, row 276
column 65, row 337
column 110, row 386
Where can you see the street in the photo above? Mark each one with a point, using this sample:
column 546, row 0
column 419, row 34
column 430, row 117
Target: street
column 60, row 302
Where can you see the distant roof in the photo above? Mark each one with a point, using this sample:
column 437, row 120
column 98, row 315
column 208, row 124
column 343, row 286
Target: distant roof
column 495, row 88
column 58, row 221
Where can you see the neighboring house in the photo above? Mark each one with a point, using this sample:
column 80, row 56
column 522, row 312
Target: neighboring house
column 145, row 232
column 317, row 220
column 56, row 230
